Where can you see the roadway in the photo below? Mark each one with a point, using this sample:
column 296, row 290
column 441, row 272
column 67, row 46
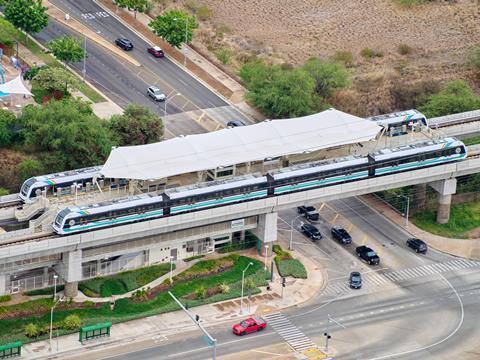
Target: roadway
column 125, row 83
column 411, row 307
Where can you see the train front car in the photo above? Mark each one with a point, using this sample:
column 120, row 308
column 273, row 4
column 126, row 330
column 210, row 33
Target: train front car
column 418, row 155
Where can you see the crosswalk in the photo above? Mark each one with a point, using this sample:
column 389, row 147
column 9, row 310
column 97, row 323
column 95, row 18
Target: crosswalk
column 374, row 280
column 289, row 332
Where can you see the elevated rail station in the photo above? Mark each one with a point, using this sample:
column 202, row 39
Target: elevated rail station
column 176, row 227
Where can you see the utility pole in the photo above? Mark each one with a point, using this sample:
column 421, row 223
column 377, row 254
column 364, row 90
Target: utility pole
column 196, row 320
column 84, row 70
column 186, row 43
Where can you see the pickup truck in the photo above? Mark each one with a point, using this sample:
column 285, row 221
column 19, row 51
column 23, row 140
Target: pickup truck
column 367, row 254
column 309, row 212
column 249, row 325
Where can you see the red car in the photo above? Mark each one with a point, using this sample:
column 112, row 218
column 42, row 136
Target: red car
column 156, row 51
column 249, row 325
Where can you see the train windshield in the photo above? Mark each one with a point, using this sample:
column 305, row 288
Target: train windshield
column 60, row 216
column 26, row 186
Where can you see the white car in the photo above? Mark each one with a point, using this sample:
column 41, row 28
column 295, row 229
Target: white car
column 156, row 94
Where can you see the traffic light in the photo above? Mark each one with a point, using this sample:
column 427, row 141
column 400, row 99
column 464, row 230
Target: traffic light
column 197, row 318
column 186, row 306
column 283, row 281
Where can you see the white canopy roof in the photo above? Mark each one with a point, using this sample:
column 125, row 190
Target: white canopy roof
column 238, row 145
column 15, row 86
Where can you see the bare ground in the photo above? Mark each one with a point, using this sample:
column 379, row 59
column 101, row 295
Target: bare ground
column 441, row 36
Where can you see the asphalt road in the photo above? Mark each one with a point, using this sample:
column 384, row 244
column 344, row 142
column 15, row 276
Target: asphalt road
column 426, row 316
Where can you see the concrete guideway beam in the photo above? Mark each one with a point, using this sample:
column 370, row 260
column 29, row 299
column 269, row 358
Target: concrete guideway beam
column 445, row 189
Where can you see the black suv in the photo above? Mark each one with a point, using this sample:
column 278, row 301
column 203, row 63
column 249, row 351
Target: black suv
column 309, row 212
column 418, row 245
column 311, row 231
column 125, row 44
column 341, row 235
column 367, row 254
column 235, row 123
column 355, row 280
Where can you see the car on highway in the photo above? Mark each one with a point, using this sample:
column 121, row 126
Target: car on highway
column 125, row 44
column 311, row 231
column 309, row 212
column 341, row 235
column 355, row 281
column 235, row 123
column 367, row 254
column 156, row 94
column 156, row 51
column 418, row 245
column 249, row 325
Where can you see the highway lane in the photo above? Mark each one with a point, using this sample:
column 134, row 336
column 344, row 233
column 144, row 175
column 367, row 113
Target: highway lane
column 124, row 83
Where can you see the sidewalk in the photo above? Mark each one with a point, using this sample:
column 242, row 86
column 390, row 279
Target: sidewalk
column 468, row 248
column 296, row 292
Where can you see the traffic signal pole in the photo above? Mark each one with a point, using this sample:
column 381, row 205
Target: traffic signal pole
column 196, row 320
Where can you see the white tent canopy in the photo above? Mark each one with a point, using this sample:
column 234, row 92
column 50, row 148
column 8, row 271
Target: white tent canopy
column 238, row 145
column 15, row 86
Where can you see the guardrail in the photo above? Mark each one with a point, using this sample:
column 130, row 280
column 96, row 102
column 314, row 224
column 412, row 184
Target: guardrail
column 454, row 119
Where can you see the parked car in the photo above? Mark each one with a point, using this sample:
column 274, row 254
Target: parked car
column 156, row 94
column 367, row 254
column 355, row 280
column 309, row 212
column 125, row 44
column 235, row 123
column 311, row 231
column 156, row 51
column 418, row 245
column 249, row 325
column 341, row 235
column 305, row 208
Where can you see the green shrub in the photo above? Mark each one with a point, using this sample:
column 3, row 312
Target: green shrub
column 224, row 55
column 200, row 293
column 71, row 322
column 30, row 74
column 191, row 5
column 5, row 298
column 475, row 58
column 368, row 53
column 291, row 267
column 31, row 330
column 191, row 258
column 344, row 57
column 45, row 291
column 88, row 303
column 404, row 49
column 225, row 288
column 221, row 30
column 409, row 3
column 204, row 13
column 4, row 192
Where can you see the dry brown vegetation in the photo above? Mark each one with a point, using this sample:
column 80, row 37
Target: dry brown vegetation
column 421, row 45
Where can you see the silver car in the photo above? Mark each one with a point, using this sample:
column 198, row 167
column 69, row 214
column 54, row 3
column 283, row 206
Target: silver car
column 156, row 94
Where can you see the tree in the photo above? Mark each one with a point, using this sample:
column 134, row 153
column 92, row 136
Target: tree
column 171, row 27
column 132, row 5
column 136, row 126
column 27, row 15
column 328, row 76
column 67, row 49
column 29, row 168
column 53, row 78
column 68, row 131
column 457, row 97
column 7, row 121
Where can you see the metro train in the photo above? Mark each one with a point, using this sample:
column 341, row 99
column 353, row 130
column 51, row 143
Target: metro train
column 400, row 122
column 252, row 187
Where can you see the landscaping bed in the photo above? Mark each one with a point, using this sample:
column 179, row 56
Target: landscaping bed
column 210, row 281
column 251, row 240
column 287, row 265
column 464, row 219
column 123, row 282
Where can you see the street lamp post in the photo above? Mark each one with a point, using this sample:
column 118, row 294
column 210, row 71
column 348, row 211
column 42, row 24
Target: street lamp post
column 171, row 269
column 266, row 253
column 291, row 231
column 51, row 322
column 243, row 278
column 55, row 277
column 165, row 103
column 407, row 210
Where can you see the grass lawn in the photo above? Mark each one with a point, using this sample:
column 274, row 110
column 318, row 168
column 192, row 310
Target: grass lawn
column 127, row 309
column 471, row 140
column 463, row 218
column 123, row 282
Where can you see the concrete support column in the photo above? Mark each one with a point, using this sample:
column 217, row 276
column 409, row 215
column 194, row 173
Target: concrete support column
column 419, row 201
column 443, row 210
column 99, row 266
column 445, row 189
column 4, row 278
column 45, row 276
column 267, row 231
column 71, row 289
